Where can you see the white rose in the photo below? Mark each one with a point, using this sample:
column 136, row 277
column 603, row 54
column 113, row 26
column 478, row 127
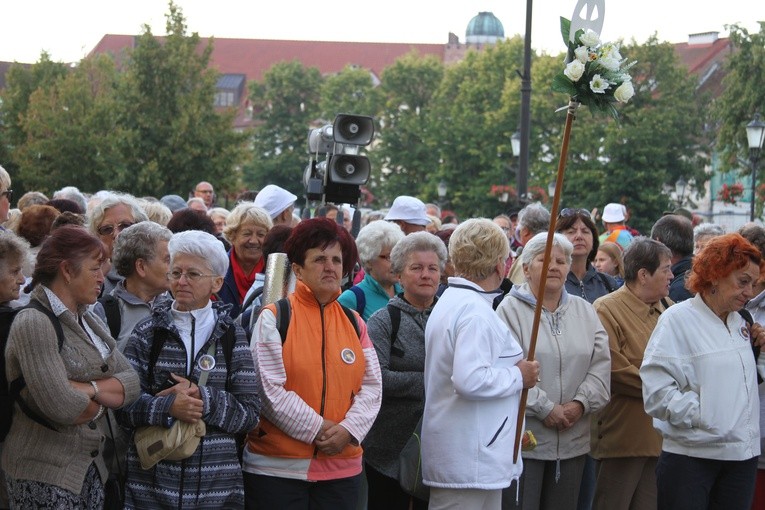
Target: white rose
column 598, row 85
column 582, row 54
column 610, row 63
column 574, row 70
column 610, row 50
column 590, row 38
column 624, row 92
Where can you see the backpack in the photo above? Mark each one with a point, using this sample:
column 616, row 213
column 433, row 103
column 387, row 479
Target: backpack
column 284, row 315
column 10, row 391
column 160, row 337
column 248, row 315
column 361, row 299
column 112, row 311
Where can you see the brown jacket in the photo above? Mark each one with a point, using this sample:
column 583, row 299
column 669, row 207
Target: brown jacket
column 622, row 428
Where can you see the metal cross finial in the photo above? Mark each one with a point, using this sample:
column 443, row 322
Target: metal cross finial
column 587, row 14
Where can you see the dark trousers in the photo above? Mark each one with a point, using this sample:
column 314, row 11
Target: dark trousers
column 266, row 492
column 385, row 493
column 691, row 483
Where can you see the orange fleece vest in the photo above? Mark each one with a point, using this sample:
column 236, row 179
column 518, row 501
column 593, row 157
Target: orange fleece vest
column 315, row 354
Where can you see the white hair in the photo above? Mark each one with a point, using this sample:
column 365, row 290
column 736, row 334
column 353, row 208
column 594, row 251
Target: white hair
column 202, row 245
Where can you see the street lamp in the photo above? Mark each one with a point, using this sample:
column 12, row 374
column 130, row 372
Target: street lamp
column 442, row 193
column 755, row 132
column 680, row 186
column 515, row 143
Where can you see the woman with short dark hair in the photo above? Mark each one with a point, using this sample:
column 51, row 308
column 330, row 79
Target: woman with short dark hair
column 700, row 383
column 320, row 382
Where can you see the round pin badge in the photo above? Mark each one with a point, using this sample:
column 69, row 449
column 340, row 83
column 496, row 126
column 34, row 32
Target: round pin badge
column 206, row 362
column 744, row 332
column 348, row 356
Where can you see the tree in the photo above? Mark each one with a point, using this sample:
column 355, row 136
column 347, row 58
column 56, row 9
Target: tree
column 660, row 138
column 72, row 136
column 352, row 90
column 742, row 96
column 175, row 137
column 285, row 104
column 21, row 82
column 468, row 129
column 403, row 163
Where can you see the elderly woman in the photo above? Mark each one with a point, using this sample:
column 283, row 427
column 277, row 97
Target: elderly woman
column 374, row 242
column 140, row 257
column 194, row 364
column 218, row 215
column 109, row 217
column 320, row 380
column 474, row 376
column 398, row 334
column 572, row 348
column 246, row 228
column 73, row 372
column 583, row 280
column 703, row 232
column 623, row 437
column 700, row 383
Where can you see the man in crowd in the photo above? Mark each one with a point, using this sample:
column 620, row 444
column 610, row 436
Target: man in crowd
column 616, row 230
column 676, row 233
column 205, row 191
column 532, row 220
column 278, row 202
column 408, row 213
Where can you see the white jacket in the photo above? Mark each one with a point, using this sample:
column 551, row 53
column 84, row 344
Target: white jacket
column 700, row 384
column 472, row 393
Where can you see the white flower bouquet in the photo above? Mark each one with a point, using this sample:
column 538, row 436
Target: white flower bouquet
column 595, row 75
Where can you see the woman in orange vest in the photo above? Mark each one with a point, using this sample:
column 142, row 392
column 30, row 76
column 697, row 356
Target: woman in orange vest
column 319, row 380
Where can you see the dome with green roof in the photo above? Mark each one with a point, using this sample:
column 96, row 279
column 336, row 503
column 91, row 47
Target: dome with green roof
column 484, row 28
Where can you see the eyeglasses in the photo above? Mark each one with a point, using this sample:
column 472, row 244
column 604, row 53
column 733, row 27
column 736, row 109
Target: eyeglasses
column 107, row 230
column 205, row 191
column 568, row 212
column 191, row 276
column 7, row 193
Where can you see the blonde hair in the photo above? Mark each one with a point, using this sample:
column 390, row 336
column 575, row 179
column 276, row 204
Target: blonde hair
column 476, row 247
column 614, row 251
column 246, row 212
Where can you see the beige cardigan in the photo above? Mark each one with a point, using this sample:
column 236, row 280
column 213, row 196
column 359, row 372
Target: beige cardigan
column 62, row 457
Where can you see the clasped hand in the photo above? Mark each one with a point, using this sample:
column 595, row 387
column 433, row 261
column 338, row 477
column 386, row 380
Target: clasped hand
column 187, row 405
column 332, row 438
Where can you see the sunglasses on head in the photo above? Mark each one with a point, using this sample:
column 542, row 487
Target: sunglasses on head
column 569, row 211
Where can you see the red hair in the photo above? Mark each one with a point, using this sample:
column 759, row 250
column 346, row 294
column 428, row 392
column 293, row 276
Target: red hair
column 720, row 257
column 320, row 233
column 70, row 244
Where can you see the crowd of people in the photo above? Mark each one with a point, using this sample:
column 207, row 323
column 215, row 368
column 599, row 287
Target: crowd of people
column 149, row 366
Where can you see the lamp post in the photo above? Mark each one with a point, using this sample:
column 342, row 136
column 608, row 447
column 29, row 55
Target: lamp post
column 755, row 132
column 442, row 189
column 680, row 187
column 523, row 153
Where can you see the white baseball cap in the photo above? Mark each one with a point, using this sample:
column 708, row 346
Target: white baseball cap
column 274, row 199
column 613, row 213
column 409, row 210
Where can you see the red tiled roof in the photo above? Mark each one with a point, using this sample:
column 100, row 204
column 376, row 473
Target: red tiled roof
column 253, row 57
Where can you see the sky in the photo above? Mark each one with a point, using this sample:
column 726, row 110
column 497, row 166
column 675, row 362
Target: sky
column 68, row 31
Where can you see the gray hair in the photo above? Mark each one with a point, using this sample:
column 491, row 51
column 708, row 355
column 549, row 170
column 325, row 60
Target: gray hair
column 111, row 200
column 417, row 241
column 201, row 245
column 535, row 218
column 675, row 232
column 536, row 246
column 13, row 248
column 157, row 212
column 137, row 242
column 643, row 253
column 707, row 229
column 73, row 194
column 374, row 238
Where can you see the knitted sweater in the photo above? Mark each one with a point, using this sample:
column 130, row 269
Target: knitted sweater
column 60, row 457
column 402, row 365
column 211, row 477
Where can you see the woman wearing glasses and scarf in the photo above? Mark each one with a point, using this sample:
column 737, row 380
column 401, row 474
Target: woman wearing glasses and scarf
column 197, row 375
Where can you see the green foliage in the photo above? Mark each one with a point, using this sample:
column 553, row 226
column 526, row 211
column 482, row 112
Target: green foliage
column 175, row 137
column 743, row 96
column 285, row 104
column 350, row 91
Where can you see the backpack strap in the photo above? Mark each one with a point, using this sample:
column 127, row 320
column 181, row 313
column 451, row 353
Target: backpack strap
column 15, row 387
column 606, row 282
column 744, row 313
column 395, row 321
column 284, row 315
column 229, row 339
column 112, row 311
column 158, row 341
column 361, row 299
